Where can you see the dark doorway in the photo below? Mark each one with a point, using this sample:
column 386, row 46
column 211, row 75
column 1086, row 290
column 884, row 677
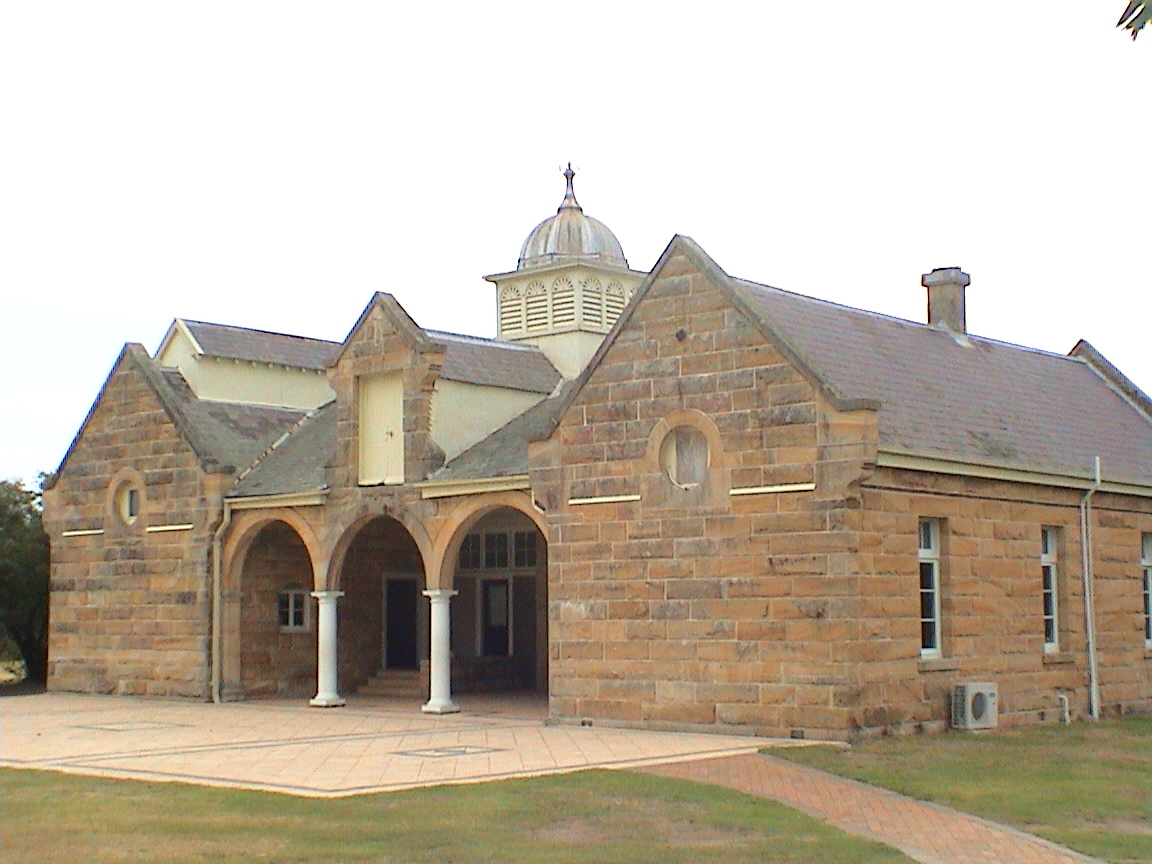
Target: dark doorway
column 400, row 647
column 494, row 605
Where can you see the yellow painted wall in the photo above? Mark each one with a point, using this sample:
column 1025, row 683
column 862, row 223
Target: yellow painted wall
column 463, row 414
column 245, row 382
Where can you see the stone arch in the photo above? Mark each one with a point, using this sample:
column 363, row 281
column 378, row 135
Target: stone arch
column 489, row 654
column 378, row 565
column 268, row 624
column 345, row 530
column 459, row 520
column 247, row 524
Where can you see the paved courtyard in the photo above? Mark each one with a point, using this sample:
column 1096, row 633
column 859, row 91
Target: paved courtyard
column 287, row 746
column 386, row 745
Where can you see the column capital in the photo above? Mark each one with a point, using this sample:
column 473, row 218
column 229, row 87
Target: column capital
column 327, row 595
column 435, row 594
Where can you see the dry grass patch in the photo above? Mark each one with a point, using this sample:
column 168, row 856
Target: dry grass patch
column 603, row 816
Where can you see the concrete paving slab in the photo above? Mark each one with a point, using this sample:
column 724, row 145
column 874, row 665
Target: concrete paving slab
column 290, row 747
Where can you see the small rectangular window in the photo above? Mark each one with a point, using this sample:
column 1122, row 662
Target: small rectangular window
column 1146, row 561
column 293, row 608
column 495, row 550
column 524, row 549
column 1050, row 589
column 470, row 553
column 930, row 588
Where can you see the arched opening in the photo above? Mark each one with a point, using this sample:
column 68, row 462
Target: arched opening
column 383, row 633
column 500, row 616
column 277, row 644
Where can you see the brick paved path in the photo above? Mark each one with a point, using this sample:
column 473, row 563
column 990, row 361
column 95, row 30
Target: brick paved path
column 924, row 831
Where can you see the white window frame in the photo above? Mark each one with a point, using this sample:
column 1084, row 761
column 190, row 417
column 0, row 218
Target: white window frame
column 1050, row 588
column 930, row 559
column 1146, row 562
column 298, row 602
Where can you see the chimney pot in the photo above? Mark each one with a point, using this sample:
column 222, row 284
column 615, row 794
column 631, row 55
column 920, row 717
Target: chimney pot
column 946, row 298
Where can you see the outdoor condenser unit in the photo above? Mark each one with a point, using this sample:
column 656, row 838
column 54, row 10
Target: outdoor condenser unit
column 974, row 705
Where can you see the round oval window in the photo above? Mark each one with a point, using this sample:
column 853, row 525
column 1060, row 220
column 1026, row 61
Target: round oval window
column 684, row 456
column 128, row 503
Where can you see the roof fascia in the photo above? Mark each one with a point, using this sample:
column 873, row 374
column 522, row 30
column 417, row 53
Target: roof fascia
column 413, row 333
column 283, row 499
column 1113, row 377
column 568, row 264
column 450, row 488
column 940, row 465
column 178, row 327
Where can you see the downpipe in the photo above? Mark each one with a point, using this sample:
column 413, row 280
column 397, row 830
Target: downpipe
column 217, row 600
column 1086, row 564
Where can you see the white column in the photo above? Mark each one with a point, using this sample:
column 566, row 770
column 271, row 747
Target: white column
column 440, row 658
column 326, row 695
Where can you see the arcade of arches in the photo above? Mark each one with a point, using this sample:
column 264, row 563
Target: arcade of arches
column 364, row 614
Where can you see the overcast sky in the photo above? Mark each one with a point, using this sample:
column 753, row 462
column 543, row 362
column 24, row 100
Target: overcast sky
column 271, row 165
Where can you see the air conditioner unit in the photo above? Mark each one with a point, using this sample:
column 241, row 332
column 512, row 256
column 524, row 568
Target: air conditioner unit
column 974, row 705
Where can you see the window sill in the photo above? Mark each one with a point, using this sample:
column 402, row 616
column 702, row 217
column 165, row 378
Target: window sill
column 939, row 664
column 1058, row 658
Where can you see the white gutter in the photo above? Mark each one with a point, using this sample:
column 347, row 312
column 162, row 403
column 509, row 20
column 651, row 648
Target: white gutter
column 1089, row 599
column 941, row 465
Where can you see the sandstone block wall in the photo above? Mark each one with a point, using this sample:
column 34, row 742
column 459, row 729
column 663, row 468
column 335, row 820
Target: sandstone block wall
column 129, row 606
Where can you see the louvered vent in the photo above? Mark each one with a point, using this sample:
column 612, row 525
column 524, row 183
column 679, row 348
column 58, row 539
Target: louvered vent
column 536, row 306
column 511, row 310
column 563, row 302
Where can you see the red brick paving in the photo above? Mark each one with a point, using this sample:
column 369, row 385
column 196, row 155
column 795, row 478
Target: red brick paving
column 923, row 831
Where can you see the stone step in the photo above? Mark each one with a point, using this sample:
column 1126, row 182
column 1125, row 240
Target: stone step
column 395, row 683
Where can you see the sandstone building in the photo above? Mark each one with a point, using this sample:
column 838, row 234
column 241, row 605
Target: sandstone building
column 675, row 499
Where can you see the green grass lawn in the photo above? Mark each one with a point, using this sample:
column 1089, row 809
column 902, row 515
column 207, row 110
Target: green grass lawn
column 1087, row 785
column 592, row 816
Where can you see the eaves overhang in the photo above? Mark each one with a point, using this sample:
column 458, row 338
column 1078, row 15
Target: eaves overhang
column 451, row 488
column 287, row 499
column 907, row 460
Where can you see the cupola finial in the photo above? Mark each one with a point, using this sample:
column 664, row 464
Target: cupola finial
column 569, row 201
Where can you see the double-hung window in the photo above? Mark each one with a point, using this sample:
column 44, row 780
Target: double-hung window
column 1049, row 587
column 930, row 645
column 1146, row 561
column 293, row 609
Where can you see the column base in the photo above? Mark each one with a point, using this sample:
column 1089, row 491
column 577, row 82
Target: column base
column 440, row 707
column 326, row 701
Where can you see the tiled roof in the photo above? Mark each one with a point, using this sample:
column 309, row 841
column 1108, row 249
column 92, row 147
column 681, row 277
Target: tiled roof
column 504, row 453
column 260, row 346
column 970, row 399
column 489, row 363
column 223, row 432
column 298, row 464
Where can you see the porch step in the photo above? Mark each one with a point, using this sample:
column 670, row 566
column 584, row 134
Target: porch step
column 395, row 684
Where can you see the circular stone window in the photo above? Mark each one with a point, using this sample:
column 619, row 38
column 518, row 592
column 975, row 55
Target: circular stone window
column 684, row 456
column 128, row 503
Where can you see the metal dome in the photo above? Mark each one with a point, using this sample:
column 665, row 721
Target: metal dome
column 570, row 234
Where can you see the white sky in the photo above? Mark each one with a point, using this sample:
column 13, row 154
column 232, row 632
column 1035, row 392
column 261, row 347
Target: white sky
column 272, row 164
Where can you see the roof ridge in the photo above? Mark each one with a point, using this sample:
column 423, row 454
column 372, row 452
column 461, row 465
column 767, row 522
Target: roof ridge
column 870, row 313
column 258, row 330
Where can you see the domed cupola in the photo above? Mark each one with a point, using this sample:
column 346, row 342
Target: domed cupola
column 570, row 234
column 570, row 285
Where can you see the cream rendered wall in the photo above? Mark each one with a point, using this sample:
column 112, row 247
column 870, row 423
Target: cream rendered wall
column 569, row 352
column 463, row 414
column 242, row 381
column 381, row 427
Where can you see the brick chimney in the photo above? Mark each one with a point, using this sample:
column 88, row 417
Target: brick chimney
column 946, row 298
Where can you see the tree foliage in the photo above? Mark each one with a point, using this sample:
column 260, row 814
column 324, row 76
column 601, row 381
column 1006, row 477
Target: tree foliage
column 24, row 575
